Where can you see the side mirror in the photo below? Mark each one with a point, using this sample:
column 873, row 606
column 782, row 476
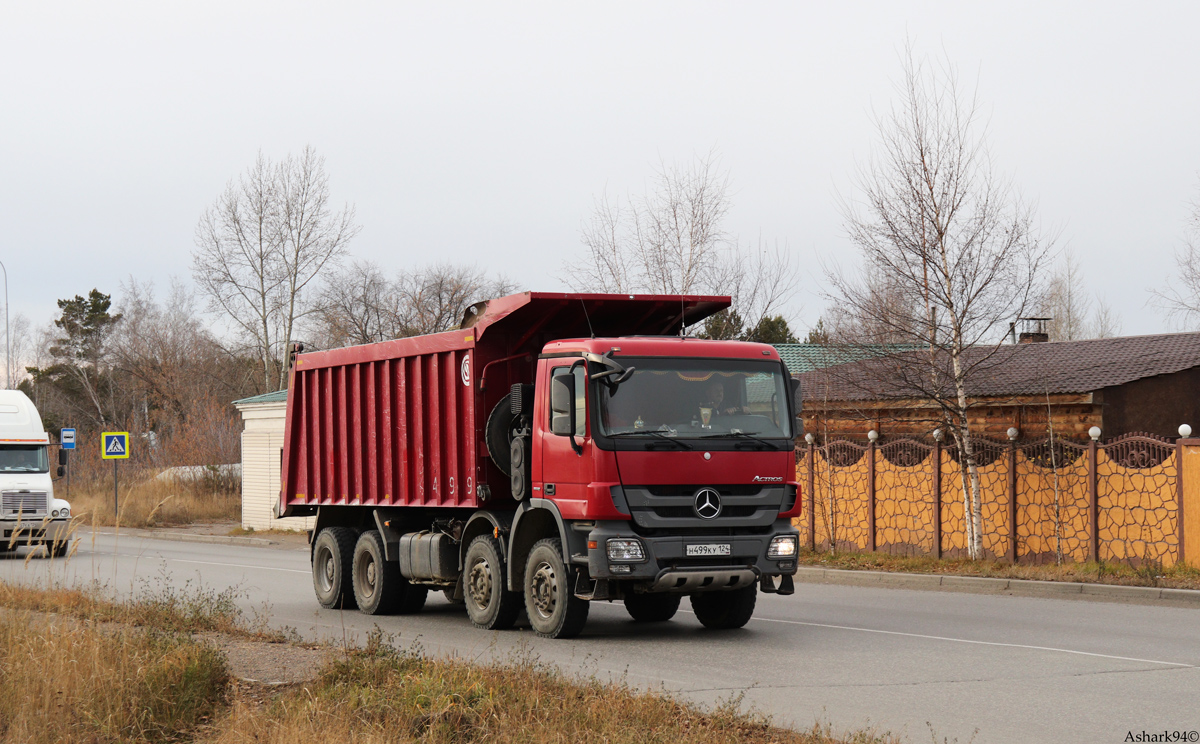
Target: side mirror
column 562, row 405
column 797, row 403
column 62, row 457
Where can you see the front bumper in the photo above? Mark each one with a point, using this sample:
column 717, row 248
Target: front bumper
column 668, row 568
column 28, row 532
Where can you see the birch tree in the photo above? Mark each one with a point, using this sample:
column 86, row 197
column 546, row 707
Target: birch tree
column 260, row 247
column 672, row 239
column 934, row 222
column 1067, row 302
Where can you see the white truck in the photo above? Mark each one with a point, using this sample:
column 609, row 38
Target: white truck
column 29, row 513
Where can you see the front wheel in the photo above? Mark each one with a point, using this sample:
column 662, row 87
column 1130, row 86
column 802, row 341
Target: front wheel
column 490, row 605
column 652, row 608
column 725, row 610
column 554, row 610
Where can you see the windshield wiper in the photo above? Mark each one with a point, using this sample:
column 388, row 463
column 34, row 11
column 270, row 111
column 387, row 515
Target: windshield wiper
column 651, row 432
column 737, row 433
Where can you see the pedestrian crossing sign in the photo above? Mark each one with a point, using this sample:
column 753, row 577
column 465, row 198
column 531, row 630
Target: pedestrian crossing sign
column 114, row 445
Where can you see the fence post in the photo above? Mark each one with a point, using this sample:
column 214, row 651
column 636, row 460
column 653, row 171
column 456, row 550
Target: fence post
column 1093, row 506
column 812, row 493
column 872, row 435
column 1185, row 431
column 937, row 492
column 1012, row 494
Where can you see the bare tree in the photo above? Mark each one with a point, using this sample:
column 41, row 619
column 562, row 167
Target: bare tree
column 357, row 305
column 938, row 226
column 1066, row 302
column 1105, row 322
column 1180, row 298
column 672, row 240
column 261, row 245
column 605, row 268
column 432, row 299
column 19, row 348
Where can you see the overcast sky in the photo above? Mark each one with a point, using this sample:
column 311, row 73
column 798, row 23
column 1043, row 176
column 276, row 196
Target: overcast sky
column 481, row 132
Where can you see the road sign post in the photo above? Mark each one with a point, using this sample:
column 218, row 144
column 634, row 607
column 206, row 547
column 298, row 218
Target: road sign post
column 114, row 445
column 66, row 438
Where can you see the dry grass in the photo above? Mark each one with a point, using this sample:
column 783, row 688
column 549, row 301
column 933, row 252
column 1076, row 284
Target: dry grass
column 193, row 609
column 1177, row 577
column 380, row 694
column 63, row 681
column 150, row 502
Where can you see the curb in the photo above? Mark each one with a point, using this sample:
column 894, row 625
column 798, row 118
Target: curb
column 989, row 585
column 192, row 537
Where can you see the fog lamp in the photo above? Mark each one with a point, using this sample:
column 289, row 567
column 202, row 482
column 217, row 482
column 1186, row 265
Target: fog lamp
column 783, row 546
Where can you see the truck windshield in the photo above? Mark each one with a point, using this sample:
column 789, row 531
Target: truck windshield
column 24, row 459
column 695, row 398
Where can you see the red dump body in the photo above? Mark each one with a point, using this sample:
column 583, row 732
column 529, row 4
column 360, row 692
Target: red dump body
column 402, row 423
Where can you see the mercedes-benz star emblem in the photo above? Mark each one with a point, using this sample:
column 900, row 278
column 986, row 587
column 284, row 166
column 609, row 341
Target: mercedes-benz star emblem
column 707, row 504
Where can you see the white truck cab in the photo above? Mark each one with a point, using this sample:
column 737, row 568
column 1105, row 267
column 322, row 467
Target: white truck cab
column 29, row 513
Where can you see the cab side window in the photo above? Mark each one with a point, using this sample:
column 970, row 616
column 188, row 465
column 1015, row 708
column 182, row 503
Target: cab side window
column 580, row 374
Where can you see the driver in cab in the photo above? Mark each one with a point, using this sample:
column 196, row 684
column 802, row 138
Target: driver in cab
column 714, row 396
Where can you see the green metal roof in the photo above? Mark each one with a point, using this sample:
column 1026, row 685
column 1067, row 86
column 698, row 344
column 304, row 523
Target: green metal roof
column 801, row 358
column 279, row 396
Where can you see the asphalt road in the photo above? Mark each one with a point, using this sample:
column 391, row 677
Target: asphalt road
column 1016, row 669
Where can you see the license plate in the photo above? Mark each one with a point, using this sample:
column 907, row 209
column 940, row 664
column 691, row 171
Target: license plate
column 710, row 549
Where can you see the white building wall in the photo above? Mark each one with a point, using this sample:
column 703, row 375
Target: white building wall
column 262, row 448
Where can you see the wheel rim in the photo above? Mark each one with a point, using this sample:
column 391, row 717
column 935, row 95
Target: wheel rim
column 479, row 583
column 544, row 587
column 366, row 572
column 325, row 569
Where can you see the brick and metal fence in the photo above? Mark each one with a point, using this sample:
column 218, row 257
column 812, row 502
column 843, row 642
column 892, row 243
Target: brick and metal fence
column 1123, row 500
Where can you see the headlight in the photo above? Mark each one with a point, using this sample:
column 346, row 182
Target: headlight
column 626, row 551
column 783, row 546
column 65, row 511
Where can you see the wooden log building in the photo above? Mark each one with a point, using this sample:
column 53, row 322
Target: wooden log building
column 1123, row 385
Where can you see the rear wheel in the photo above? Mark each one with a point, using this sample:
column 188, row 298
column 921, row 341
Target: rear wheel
column 652, row 608
column 554, row 610
column 379, row 587
column 725, row 610
column 490, row 605
column 333, row 556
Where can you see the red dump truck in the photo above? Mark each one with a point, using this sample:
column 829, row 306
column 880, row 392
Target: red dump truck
column 555, row 450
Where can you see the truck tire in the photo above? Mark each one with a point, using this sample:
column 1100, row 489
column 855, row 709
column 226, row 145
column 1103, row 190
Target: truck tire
column 333, row 556
column 652, row 608
column 554, row 610
column 379, row 587
column 725, row 610
column 498, row 434
column 490, row 604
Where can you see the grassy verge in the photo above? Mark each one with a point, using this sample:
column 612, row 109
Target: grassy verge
column 1177, row 577
column 380, row 694
column 64, row 681
column 192, row 610
column 140, row 678
column 153, row 503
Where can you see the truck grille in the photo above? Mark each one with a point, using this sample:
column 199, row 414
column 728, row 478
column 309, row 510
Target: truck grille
column 670, row 507
column 23, row 503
